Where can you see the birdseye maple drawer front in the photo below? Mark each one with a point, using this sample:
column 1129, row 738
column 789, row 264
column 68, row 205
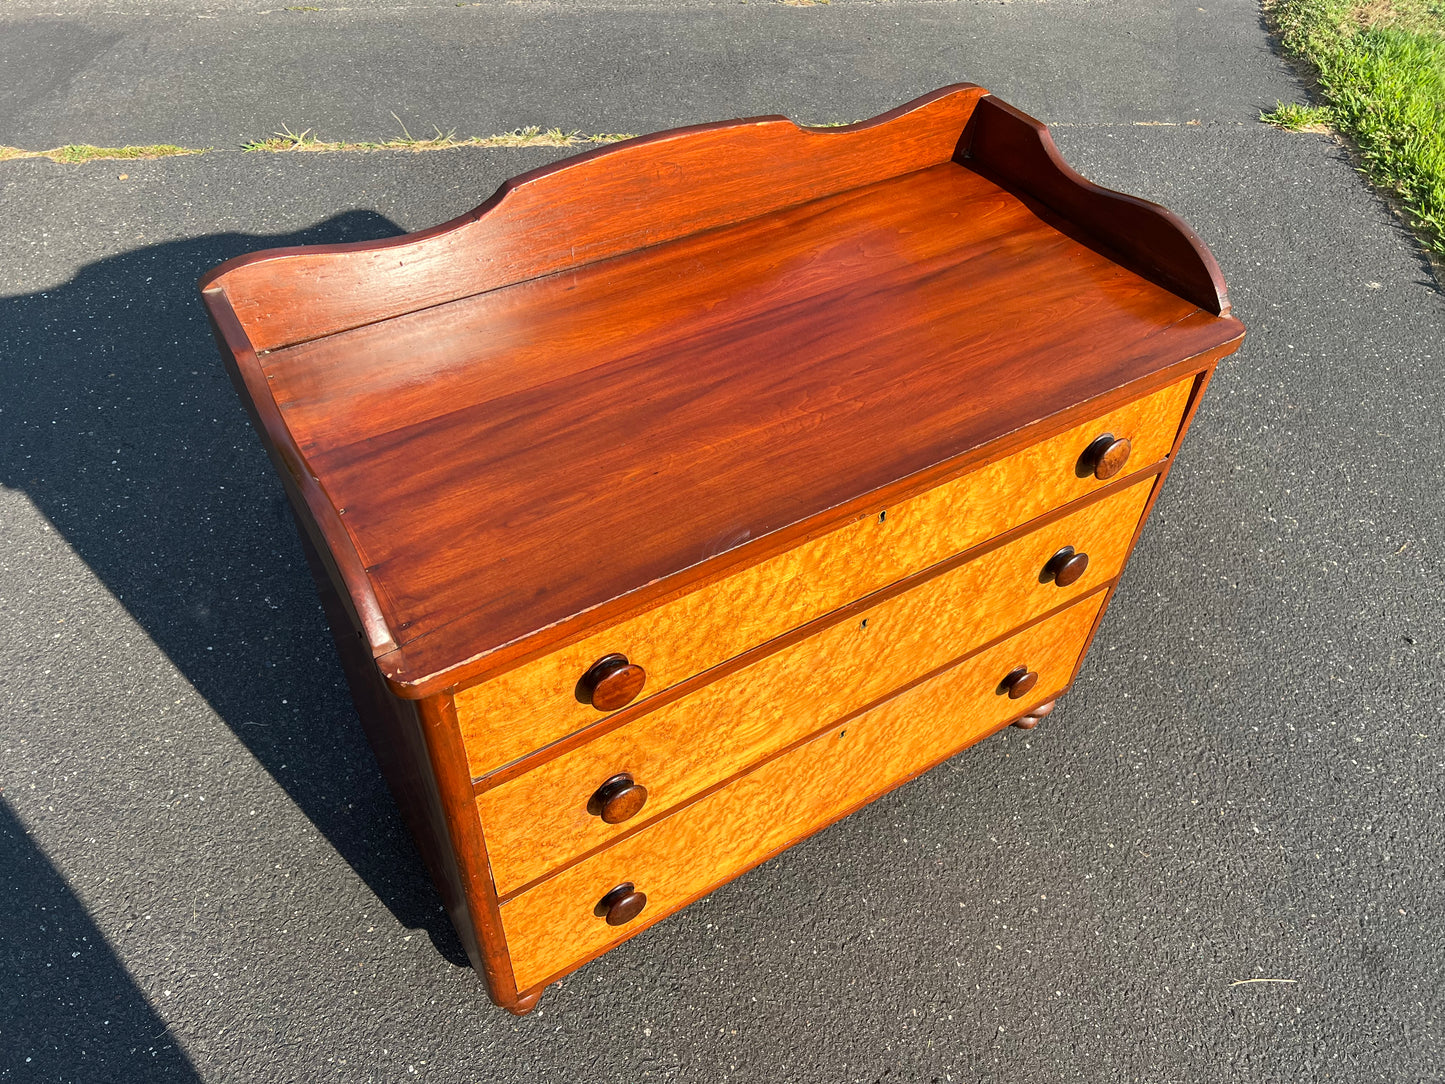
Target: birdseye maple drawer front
column 539, row 702
column 564, row 920
column 563, row 807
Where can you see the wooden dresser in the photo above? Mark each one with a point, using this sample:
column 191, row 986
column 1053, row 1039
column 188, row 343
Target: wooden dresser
column 693, row 492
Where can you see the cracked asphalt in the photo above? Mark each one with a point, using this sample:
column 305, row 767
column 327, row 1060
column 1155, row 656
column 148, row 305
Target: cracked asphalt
column 201, row 874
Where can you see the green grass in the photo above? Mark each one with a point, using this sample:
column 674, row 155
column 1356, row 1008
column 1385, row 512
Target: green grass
column 75, row 153
column 534, row 136
column 286, row 140
column 1298, row 118
column 1381, row 70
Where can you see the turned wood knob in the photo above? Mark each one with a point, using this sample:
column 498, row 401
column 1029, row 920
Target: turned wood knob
column 1105, row 456
column 1020, row 682
column 621, row 905
column 611, row 682
column 1065, row 567
column 1033, row 718
column 618, row 799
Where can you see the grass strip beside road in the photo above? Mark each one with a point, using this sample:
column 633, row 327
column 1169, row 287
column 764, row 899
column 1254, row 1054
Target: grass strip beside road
column 286, row 141
column 76, row 153
column 1381, row 71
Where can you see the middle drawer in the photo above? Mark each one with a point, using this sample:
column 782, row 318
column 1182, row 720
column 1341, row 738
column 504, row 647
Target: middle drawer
column 539, row 820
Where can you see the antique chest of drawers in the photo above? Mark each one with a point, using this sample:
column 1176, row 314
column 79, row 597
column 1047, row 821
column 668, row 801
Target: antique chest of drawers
column 693, row 492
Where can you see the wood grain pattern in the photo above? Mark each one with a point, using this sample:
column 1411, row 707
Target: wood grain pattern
column 610, row 683
column 464, row 832
column 853, row 610
column 533, row 705
column 315, row 513
column 1018, row 151
column 1107, row 456
column 397, row 732
column 541, row 819
column 618, row 799
column 552, row 927
column 586, row 208
column 492, row 498
column 924, row 310
column 715, row 398
column 1018, row 683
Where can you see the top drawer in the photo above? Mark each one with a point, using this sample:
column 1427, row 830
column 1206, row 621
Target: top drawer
column 537, row 703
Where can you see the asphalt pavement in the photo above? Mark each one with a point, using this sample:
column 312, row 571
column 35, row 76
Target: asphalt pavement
column 202, row 876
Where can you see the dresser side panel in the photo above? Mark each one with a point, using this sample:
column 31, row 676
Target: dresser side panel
column 396, row 732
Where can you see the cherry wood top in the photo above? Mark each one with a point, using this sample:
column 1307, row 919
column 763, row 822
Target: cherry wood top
column 507, row 464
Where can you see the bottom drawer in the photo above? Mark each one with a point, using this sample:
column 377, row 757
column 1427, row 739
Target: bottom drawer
column 559, row 924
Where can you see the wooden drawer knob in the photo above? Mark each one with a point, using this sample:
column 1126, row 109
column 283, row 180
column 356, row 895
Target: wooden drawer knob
column 618, row 799
column 1065, row 567
column 1105, row 456
column 621, row 905
column 1020, row 682
column 611, row 682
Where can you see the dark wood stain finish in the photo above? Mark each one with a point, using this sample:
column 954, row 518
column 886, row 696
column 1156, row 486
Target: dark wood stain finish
column 485, row 506
column 630, row 373
column 1065, row 567
column 619, row 799
column 1035, row 717
column 1018, row 683
column 1105, row 457
column 611, row 683
column 621, row 905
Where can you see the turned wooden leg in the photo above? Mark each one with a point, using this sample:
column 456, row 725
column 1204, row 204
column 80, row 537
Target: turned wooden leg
column 1033, row 718
column 524, row 1004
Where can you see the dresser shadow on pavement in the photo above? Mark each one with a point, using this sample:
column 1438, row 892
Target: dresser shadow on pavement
column 70, row 1010
column 122, row 427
